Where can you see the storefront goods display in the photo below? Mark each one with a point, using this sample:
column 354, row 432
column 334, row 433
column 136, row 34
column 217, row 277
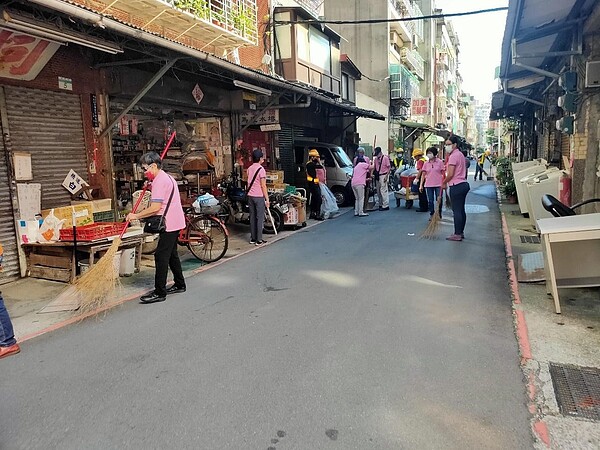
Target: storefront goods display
column 83, row 212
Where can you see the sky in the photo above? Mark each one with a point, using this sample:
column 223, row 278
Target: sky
column 480, row 37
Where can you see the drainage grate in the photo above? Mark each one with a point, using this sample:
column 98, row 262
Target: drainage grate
column 530, row 240
column 577, row 390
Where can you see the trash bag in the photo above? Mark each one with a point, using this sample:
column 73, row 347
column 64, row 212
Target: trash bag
column 329, row 207
column 409, row 172
column 50, row 229
column 206, row 204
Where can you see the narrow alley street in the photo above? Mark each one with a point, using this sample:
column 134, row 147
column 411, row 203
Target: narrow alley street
column 353, row 334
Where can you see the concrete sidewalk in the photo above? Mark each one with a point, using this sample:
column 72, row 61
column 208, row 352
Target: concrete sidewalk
column 26, row 297
column 572, row 337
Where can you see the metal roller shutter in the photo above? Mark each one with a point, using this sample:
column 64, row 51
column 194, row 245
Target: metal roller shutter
column 286, row 137
column 49, row 126
column 10, row 265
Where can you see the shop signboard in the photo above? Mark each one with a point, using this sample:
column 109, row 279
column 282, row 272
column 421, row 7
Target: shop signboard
column 266, row 117
column 271, row 127
column 73, row 182
column 419, row 107
column 197, row 94
column 23, row 55
column 94, row 106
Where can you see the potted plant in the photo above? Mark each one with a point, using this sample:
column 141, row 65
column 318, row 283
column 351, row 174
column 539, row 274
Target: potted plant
column 506, row 179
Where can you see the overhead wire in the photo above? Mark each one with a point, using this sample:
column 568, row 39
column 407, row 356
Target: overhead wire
column 403, row 19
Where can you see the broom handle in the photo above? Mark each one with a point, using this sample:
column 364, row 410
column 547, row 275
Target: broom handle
column 141, row 197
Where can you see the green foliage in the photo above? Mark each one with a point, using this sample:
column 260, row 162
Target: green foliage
column 490, row 136
column 199, row 8
column 505, row 177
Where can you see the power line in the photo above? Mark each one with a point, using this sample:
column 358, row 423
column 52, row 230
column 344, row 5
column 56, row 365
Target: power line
column 404, row 19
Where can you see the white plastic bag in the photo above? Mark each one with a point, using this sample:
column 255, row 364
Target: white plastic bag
column 50, row 229
column 329, row 207
column 206, row 204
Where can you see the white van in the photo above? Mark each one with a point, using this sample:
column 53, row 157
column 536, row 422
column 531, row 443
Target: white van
column 337, row 165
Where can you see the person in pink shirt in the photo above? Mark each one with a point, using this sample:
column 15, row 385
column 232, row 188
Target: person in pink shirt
column 258, row 197
column 432, row 174
column 165, row 201
column 381, row 174
column 456, row 181
column 362, row 170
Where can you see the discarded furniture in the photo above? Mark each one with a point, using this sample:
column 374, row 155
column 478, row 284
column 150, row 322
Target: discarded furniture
column 571, row 246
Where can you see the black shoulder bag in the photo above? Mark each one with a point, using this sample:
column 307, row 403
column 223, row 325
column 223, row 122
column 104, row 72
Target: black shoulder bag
column 156, row 224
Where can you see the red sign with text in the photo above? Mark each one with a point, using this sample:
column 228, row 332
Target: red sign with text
column 419, row 107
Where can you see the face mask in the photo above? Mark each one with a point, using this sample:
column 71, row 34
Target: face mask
column 149, row 175
column 430, row 155
column 448, row 148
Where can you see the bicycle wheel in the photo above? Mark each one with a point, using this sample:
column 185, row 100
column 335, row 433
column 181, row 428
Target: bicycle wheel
column 207, row 238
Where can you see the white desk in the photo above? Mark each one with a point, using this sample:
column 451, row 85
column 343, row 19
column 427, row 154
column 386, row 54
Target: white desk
column 572, row 252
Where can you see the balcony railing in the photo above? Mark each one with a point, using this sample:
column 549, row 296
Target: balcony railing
column 202, row 24
column 406, row 9
column 414, row 61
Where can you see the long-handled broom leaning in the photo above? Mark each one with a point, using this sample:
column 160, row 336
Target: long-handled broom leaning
column 92, row 289
column 431, row 230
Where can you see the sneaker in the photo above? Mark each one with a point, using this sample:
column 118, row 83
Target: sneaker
column 387, row 208
column 10, row 350
column 454, row 237
column 259, row 243
column 252, row 241
column 363, row 215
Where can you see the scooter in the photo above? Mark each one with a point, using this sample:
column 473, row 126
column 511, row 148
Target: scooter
column 234, row 206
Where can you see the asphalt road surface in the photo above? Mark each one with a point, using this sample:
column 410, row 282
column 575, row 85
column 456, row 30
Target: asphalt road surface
column 353, row 334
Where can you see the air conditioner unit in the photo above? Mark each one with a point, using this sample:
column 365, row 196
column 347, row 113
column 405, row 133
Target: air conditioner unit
column 395, row 39
column 592, row 74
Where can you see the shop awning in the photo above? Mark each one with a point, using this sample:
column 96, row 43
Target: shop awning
column 418, row 125
column 538, row 33
column 217, row 67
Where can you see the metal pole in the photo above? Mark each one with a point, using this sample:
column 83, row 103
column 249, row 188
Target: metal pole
column 139, row 95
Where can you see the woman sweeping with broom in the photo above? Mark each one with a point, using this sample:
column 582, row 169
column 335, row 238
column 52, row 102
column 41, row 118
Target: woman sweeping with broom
column 432, row 175
column 456, row 181
column 164, row 216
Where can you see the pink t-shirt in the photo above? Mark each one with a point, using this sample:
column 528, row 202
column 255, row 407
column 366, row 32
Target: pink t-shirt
column 382, row 164
column 256, row 189
column 359, row 176
column 457, row 159
column 434, row 169
column 162, row 186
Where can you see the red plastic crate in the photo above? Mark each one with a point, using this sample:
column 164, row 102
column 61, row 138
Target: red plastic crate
column 406, row 181
column 92, row 232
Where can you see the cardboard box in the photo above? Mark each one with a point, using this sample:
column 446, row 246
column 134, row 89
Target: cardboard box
column 275, row 176
column 84, row 214
column 100, row 205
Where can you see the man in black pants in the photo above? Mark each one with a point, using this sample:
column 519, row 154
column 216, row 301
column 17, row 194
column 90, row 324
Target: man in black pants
column 312, row 183
column 165, row 202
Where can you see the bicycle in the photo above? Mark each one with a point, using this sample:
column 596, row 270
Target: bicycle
column 204, row 235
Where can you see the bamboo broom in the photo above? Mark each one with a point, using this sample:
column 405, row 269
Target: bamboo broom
column 92, row 289
column 434, row 224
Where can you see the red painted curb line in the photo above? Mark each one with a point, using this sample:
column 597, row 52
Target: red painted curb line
column 79, row 318
column 541, row 429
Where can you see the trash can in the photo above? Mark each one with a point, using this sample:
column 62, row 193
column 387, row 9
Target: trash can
column 544, row 183
column 127, row 262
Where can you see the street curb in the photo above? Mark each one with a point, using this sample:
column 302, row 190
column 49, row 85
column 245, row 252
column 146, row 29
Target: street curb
column 538, row 426
column 136, row 295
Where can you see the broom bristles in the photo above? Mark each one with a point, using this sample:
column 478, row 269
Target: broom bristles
column 92, row 289
column 431, row 230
